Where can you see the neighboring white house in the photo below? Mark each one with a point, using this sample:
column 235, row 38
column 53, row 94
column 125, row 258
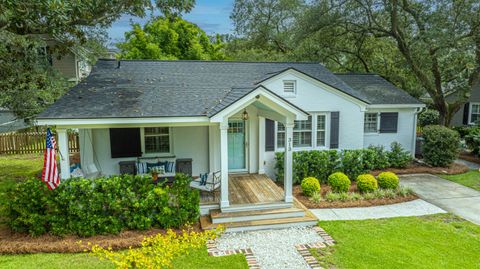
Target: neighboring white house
column 226, row 116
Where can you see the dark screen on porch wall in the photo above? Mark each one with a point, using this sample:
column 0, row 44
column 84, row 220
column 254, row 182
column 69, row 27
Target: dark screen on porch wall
column 269, row 135
column 125, row 142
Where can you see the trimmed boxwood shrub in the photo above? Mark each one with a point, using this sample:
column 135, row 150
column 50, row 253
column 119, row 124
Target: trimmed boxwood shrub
column 310, row 185
column 428, row 117
column 366, row 183
column 398, row 157
column 387, row 180
column 440, row 145
column 339, row 182
column 106, row 205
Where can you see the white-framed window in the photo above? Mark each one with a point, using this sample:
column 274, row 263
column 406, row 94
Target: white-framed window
column 307, row 134
column 157, row 140
column 474, row 113
column 289, row 87
column 370, row 124
column 321, row 130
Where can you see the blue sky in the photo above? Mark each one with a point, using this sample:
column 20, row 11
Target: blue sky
column 211, row 15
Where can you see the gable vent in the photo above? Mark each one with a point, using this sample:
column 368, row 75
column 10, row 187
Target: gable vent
column 289, row 86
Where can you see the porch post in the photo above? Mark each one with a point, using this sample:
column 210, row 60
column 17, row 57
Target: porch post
column 64, row 154
column 261, row 145
column 224, row 202
column 288, row 162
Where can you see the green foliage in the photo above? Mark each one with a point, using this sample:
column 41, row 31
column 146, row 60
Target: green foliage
column 398, row 157
column 316, row 197
column 472, row 139
column 388, row 180
column 170, row 39
column 440, row 145
column 321, row 163
column 310, row 185
column 366, row 183
column 339, row 182
column 104, row 205
column 428, row 117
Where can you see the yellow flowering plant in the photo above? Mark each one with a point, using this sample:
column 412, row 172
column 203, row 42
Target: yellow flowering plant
column 157, row 251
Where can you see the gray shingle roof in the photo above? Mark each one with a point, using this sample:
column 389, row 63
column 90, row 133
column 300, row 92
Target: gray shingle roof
column 377, row 89
column 178, row 88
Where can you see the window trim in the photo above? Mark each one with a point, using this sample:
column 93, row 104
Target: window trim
column 378, row 123
column 156, row 154
column 470, row 112
column 314, row 130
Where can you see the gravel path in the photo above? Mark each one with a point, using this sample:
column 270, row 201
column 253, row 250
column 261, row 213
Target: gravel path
column 274, row 249
column 417, row 207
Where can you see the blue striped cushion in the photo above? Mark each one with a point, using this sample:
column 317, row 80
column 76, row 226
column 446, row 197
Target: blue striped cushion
column 170, row 167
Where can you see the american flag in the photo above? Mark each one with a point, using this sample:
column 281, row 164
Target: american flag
column 50, row 170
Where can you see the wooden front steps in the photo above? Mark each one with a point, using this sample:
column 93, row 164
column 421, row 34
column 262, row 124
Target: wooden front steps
column 294, row 216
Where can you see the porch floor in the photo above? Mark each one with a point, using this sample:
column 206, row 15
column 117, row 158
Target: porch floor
column 248, row 189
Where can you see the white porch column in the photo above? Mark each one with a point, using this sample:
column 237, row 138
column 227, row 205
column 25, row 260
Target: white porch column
column 288, row 162
column 261, row 145
column 64, row 154
column 224, row 202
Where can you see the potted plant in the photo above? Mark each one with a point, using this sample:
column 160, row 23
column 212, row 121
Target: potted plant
column 155, row 171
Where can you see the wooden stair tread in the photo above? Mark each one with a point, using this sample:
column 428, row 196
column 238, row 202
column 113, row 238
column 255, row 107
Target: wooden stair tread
column 207, row 223
column 217, row 213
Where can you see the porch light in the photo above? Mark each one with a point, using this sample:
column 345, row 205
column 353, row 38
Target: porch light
column 245, row 115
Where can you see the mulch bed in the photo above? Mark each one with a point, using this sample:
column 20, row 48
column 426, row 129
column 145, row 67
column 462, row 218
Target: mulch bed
column 297, row 192
column 418, row 168
column 468, row 156
column 15, row 243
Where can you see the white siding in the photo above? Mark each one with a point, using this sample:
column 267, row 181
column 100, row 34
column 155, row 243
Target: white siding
column 188, row 142
column 404, row 134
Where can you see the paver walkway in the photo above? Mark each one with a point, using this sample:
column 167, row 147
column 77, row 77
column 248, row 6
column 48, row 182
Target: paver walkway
column 445, row 194
column 412, row 208
column 472, row 166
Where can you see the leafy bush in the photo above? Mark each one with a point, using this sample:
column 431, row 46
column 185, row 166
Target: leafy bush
column 428, row 117
column 104, row 205
column 472, row 139
column 387, row 180
column 366, row 183
column 322, row 163
column 316, row 197
column 157, row 251
column 398, row 157
column 310, row 185
column 339, row 182
column 440, row 145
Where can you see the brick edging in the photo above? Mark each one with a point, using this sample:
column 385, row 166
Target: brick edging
column 304, row 249
column 213, row 250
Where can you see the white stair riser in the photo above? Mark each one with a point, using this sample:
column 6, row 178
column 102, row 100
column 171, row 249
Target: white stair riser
column 270, row 226
column 256, row 207
column 259, row 217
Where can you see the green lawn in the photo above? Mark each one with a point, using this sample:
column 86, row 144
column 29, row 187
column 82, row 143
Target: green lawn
column 470, row 179
column 196, row 259
column 438, row 241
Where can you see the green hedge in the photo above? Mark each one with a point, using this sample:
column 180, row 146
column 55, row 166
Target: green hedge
column 107, row 205
column 440, row 145
column 322, row 163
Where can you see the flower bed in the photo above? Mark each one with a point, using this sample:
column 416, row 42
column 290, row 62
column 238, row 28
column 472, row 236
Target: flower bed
column 361, row 200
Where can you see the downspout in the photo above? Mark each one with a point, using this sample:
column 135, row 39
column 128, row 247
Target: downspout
column 414, row 136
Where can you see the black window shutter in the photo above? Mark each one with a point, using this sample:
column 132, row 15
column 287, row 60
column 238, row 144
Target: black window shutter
column 334, row 129
column 125, row 142
column 269, row 135
column 388, row 122
column 466, row 112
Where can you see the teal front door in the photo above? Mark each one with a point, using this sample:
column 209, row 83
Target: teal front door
column 236, row 145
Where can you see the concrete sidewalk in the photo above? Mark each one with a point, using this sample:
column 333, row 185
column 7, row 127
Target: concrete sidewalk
column 448, row 195
column 412, row 208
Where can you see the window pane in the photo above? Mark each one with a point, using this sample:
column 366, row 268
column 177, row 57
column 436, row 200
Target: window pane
column 156, row 130
column 303, row 124
column 281, row 127
column 302, row 139
column 160, row 144
column 475, row 108
column 281, row 140
column 321, row 122
column 370, row 124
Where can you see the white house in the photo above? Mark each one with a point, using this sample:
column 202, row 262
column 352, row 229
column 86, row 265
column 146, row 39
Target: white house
column 226, row 116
